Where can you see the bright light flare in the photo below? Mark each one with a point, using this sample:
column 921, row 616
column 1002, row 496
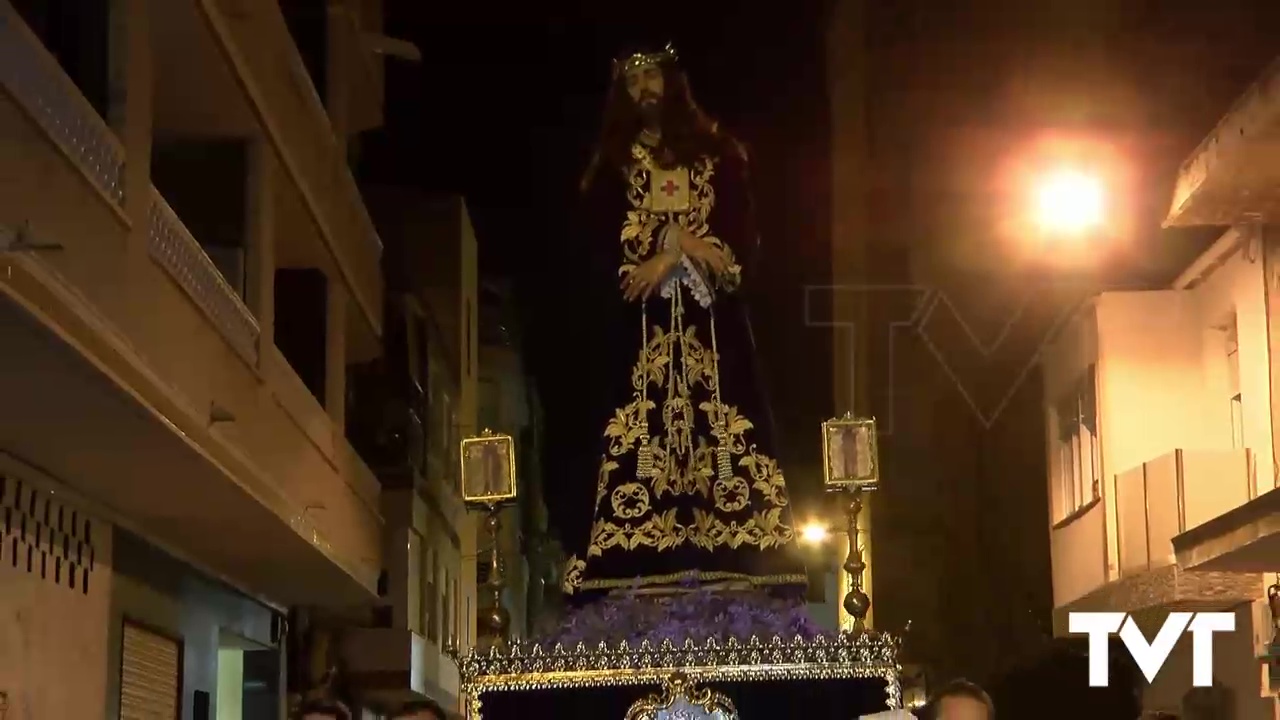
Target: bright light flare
column 1069, row 202
column 814, row 533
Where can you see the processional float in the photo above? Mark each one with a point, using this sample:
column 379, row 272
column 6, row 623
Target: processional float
column 847, row 674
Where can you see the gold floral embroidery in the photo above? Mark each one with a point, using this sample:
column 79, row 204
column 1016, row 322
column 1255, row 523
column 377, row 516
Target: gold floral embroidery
column 573, row 574
column 640, row 225
column 629, row 500
column 703, row 449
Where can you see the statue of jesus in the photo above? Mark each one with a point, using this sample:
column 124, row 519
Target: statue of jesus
column 689, row 490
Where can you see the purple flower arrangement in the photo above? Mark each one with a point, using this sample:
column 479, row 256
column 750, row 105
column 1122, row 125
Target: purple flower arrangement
column 695, row 614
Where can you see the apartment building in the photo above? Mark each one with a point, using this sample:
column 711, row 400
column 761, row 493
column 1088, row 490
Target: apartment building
column 187, row 270
column 415, row 406
column 1161, row 429
column 508, row 404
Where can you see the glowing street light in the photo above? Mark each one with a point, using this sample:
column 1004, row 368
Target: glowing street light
column 1069, row 202
column 814, row 533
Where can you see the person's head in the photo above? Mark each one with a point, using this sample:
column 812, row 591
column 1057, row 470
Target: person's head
column 322, row 710
column 961, row 700
column 418, row 710
column 649, row 90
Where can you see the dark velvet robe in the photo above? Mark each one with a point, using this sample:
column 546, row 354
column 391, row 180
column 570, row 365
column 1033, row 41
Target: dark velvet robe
column 688, row 490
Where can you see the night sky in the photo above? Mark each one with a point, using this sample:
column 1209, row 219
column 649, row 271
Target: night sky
column 506, row 103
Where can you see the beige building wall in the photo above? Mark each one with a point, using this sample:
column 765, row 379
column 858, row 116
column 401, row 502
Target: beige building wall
column 449, row 265
column 155, row 348
column 1184, row 434
column 1235, row 669
column 1169, row 367
column 49, row 631
column 430, row 542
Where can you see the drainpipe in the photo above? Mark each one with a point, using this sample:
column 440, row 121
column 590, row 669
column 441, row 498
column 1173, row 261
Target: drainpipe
column 1270, row 245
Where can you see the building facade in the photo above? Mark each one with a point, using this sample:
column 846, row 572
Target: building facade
column 1161, row 415
column 415, row 406
column 509, row 405
column 186, row 271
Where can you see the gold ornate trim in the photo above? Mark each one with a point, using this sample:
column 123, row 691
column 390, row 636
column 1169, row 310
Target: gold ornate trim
column 692, row 575
column 677, row 690
column 527, row 666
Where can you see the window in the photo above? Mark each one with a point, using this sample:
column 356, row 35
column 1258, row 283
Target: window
column 429, row 594
column 446, row 611
column 206, row 182
column 78, row 34
column 1079, row 457
column 417, row 564
column 302, row 325
column 308, row 24
column 453, row 612
column 1233, row 386
column 470, row 367
column 1237, row 422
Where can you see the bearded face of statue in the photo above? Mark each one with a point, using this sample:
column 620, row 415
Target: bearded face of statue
column 646, row 87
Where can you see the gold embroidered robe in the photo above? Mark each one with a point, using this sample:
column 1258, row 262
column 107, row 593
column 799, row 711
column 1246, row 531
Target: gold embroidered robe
column 688, row 489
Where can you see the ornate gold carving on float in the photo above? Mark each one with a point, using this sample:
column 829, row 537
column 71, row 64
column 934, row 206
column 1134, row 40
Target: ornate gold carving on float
column 528, row 666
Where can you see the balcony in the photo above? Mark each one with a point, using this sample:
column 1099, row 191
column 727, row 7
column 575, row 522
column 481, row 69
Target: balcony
column 133, row 374
column 1245, row 539
column 1078, row 550
column 1153, row 503
column 255, row 40
column 392, row 666
column 1162, row 498
column 33, row 79
column 1232, row 176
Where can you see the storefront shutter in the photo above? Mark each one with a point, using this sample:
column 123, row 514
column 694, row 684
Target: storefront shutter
column 148, row 676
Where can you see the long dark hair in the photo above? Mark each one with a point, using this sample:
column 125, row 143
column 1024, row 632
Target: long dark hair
column 688, row 133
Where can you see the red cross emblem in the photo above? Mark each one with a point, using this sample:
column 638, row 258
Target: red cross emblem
column 670, row 187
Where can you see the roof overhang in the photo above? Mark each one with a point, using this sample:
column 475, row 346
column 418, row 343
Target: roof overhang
column 1233, row 177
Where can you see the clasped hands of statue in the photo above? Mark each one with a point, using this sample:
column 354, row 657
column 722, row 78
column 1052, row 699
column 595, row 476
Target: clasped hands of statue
column 647, row 277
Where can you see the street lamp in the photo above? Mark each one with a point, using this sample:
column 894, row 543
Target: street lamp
column 1069, row 202
column 814, row 533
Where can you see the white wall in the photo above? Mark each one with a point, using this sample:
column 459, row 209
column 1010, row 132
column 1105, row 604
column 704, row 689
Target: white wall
column 1237, row 287
column 1150, row 378
column 1234, row 667
column 53, row 638
column 1149, row 386
column 1163, row 383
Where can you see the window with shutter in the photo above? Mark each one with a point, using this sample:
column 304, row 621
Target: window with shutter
column 149, row 675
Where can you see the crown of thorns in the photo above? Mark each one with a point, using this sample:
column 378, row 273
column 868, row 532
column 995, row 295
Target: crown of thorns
column 638, row 60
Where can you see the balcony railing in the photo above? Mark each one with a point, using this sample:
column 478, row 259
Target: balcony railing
column 173, row 247
column 33, row 77
column 1172, row 494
